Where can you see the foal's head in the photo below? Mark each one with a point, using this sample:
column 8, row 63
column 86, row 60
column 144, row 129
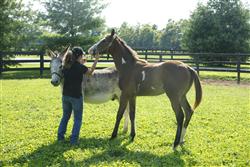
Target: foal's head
column 115, row 43
column 103, row 45
column 56, row 66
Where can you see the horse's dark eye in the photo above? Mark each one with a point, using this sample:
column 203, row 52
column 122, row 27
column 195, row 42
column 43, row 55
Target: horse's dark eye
column 60, row 66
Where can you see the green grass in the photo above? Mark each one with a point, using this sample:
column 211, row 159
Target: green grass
column 218, row 134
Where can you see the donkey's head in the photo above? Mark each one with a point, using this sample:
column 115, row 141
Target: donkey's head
column 56, row 66
column 103, row 45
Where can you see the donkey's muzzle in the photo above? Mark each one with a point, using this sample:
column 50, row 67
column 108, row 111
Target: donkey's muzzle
column 54, row 83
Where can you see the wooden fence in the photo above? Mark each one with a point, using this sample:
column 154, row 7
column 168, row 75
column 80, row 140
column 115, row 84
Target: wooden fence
column 151, row 55
column 40, row 60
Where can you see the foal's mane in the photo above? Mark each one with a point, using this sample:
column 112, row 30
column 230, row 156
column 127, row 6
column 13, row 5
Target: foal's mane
column 131, row 51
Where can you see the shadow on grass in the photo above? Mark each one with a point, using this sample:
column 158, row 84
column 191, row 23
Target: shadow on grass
column 113, row 151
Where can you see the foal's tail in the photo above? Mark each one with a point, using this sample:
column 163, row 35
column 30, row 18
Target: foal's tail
column 197, row 85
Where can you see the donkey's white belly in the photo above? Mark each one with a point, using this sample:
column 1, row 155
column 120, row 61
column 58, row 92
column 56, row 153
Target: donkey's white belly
column 98, row 98
column 101, row 87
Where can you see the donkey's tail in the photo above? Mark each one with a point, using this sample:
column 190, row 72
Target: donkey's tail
column 197, row 85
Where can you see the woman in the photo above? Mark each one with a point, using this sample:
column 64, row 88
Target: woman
column 72, row 99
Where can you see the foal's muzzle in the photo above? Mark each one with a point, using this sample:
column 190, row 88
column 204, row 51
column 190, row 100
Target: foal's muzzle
column 92, row 50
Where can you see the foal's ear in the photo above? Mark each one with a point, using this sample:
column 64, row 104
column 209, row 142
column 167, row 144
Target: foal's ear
column 113, row 32
column 51, row 53
column 65, row 52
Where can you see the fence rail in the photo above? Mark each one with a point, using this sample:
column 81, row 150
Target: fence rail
column 151, row 55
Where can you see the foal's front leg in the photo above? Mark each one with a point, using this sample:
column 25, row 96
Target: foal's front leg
column 132, row 102
column 122, row 107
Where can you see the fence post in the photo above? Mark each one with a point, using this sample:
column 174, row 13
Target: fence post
column 238, row 69
column 1, row 63
column 171, row 53
column 160, row 56
column 197, row 64
column 41, row 63
column 146, row 54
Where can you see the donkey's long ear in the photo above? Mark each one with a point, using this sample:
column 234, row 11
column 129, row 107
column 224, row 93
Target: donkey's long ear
column 113, row 32
column 51, row 53
column 65, row 52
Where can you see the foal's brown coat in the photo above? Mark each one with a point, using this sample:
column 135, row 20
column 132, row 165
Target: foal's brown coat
column 139, row 78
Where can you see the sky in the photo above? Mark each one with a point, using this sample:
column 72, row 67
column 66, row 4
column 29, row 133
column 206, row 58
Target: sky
column 146, row 11
column 149, row 11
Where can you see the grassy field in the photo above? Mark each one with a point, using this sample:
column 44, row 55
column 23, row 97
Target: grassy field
column 218, row 134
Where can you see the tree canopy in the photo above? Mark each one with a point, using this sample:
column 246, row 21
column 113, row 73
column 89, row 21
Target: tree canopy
column 74, row 17
column 219, row 26
column 10, row 12
column 172, row 34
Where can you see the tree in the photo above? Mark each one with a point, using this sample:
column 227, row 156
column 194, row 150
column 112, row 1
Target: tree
column 29, row 30
column 128, row 33
column 219, row 26
column 10, row 11
column 18, row 26
column 74, row 17
column 140, row 35
column 10, row 24
column 171, row 36
column 147, row 36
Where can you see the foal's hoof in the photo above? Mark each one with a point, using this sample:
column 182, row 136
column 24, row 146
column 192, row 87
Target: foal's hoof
column 112, row 137
column 182, row 143
column 125, row 131
column 175, row 146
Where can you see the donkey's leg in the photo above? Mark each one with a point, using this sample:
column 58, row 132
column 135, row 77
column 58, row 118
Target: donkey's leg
column 132, row 102
column 179, row 117
column 126, row 119
column 122, row 107
column 188, row 114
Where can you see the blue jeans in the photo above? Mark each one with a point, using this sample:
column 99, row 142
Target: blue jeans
column 69, row 104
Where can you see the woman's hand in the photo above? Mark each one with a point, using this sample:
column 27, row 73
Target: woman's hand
column 91, row 70
column 97, row 56
column 83, row 61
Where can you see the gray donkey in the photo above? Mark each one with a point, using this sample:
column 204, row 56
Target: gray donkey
column 101, row 87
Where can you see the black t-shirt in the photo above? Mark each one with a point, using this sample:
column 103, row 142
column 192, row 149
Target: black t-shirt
column 73, row 80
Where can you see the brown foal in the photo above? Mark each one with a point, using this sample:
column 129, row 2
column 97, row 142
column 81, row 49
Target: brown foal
column 139, row 78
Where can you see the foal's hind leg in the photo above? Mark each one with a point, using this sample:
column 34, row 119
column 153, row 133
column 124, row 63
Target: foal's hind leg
column 132, row 102
column 188, row 114
column 179, row 117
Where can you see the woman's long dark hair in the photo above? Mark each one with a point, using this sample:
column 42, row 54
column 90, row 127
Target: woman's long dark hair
column 71, row 57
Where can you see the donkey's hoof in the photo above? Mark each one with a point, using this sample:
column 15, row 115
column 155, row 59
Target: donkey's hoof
column 125, row 131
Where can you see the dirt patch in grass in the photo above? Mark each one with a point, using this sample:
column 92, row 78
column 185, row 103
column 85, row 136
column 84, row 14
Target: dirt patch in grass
column 225, row 82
